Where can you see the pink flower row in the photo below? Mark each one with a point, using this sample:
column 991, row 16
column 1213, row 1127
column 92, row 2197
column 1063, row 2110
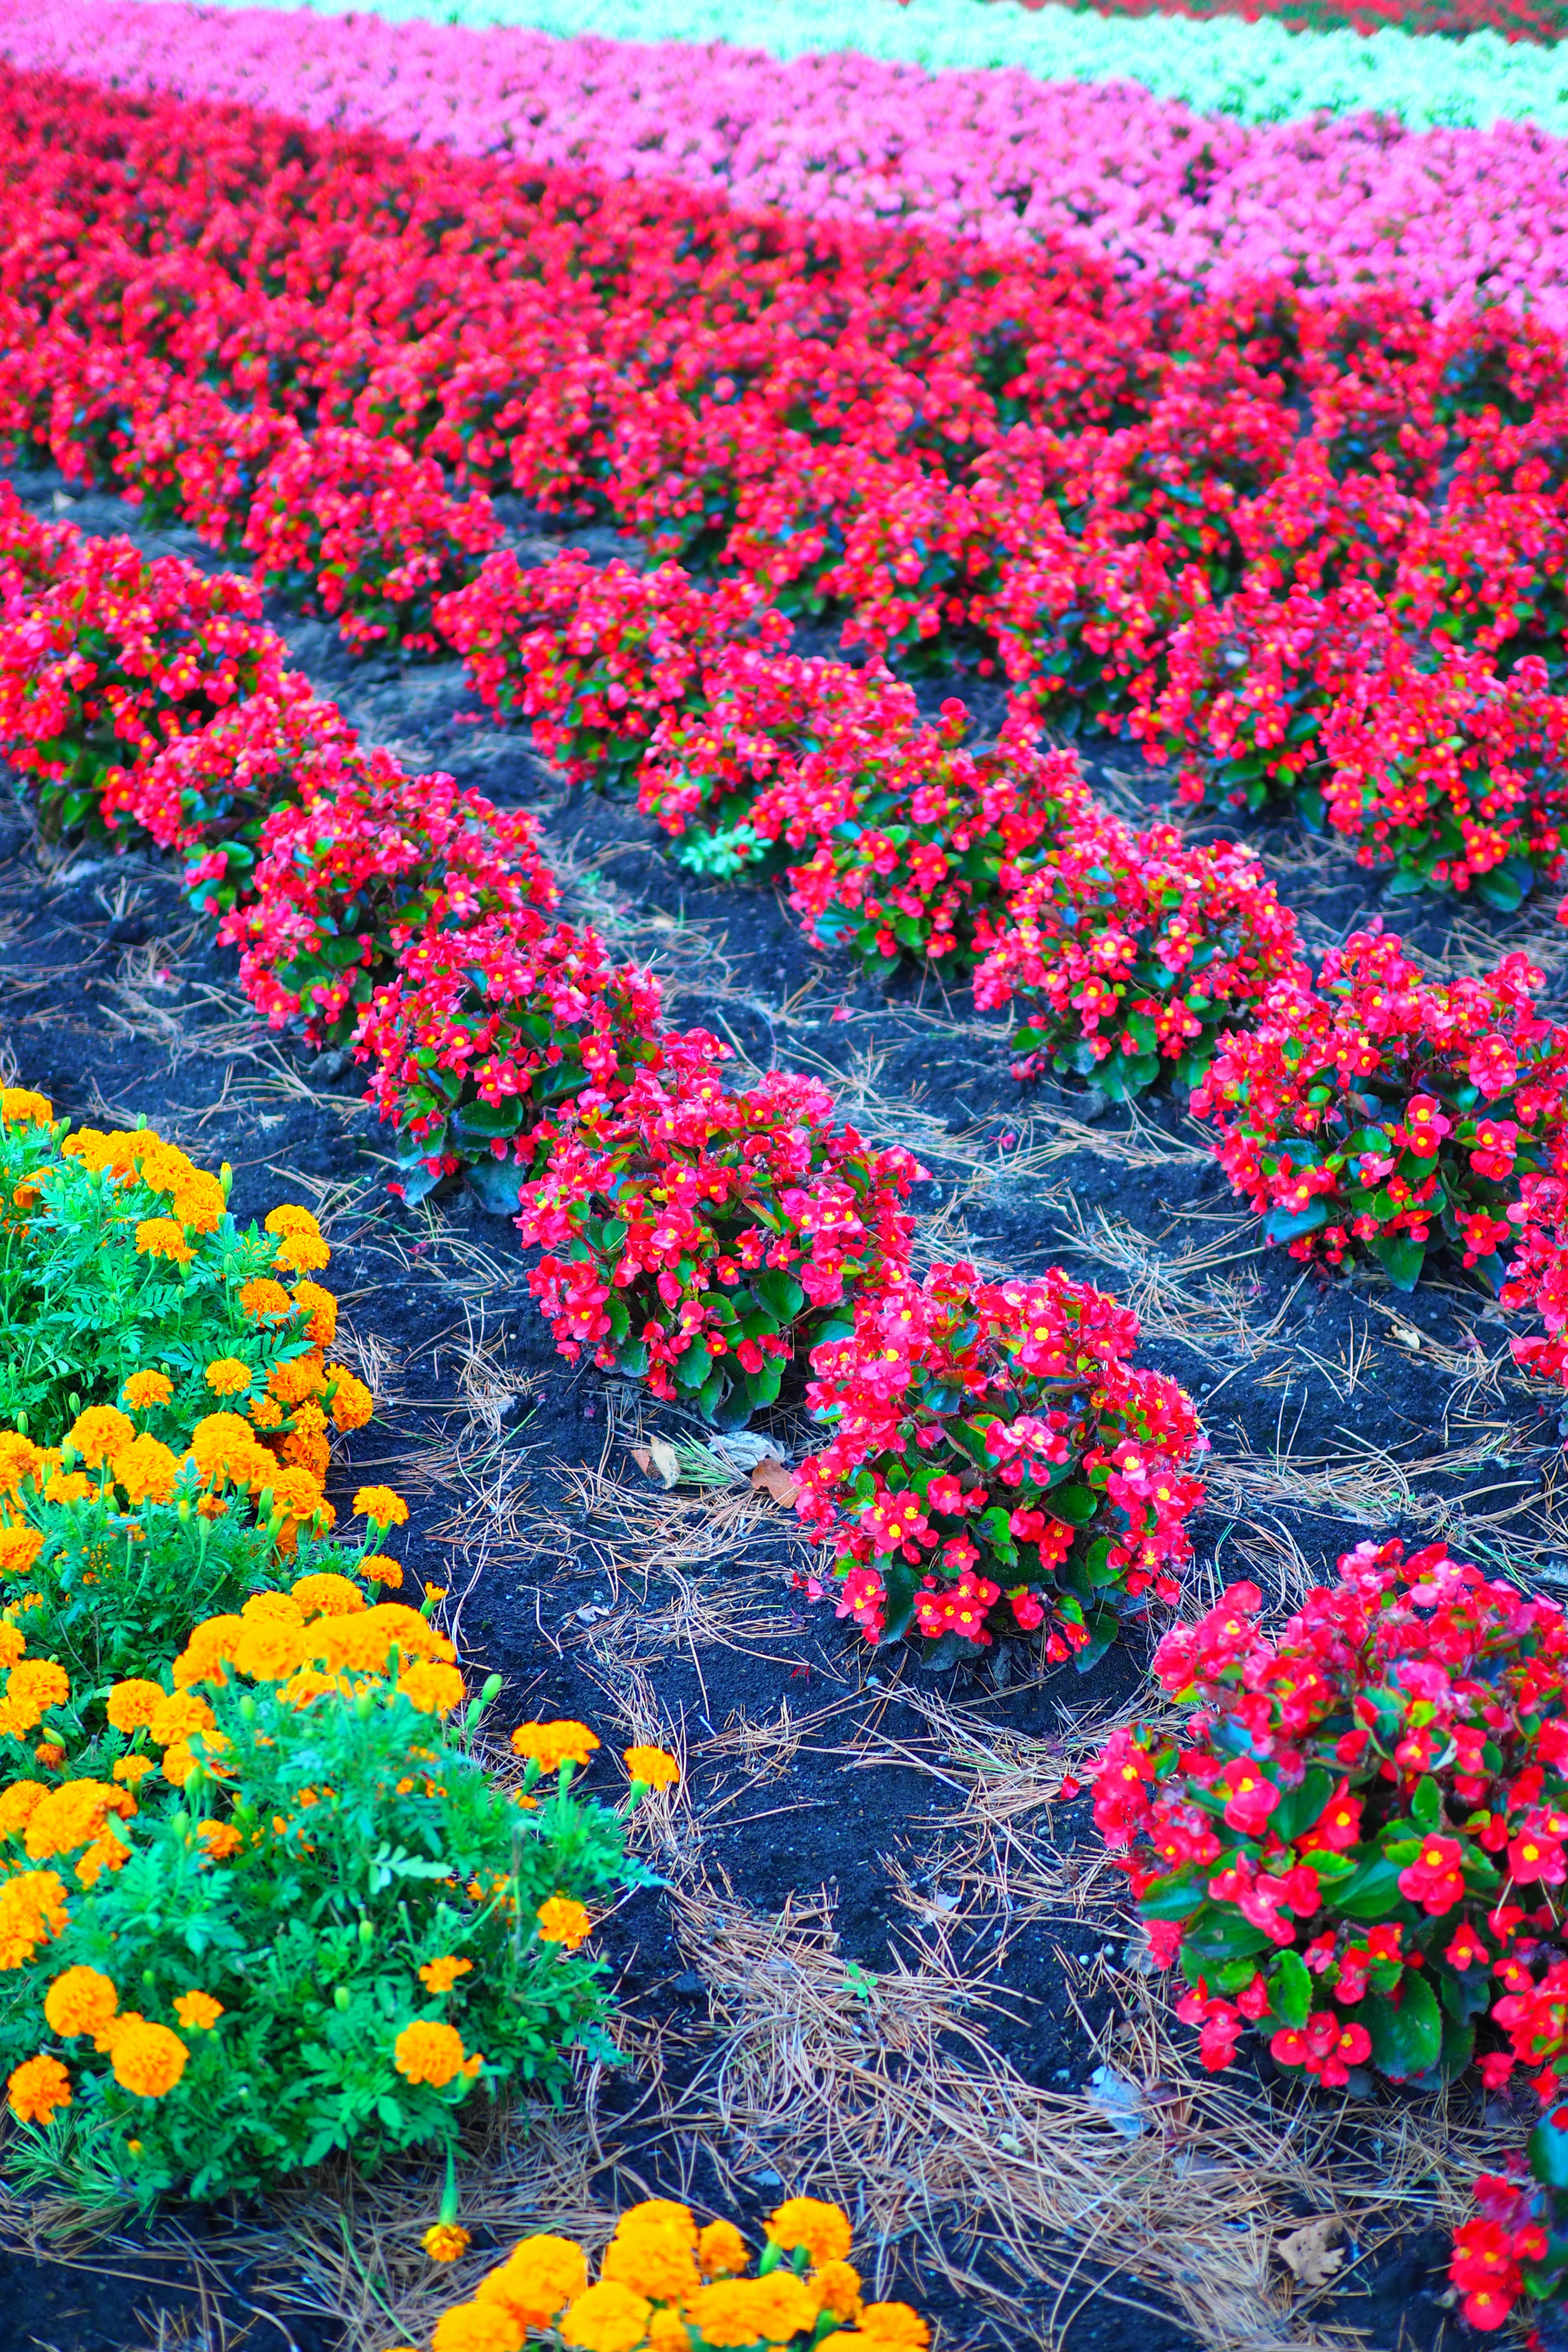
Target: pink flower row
column 1451, row 215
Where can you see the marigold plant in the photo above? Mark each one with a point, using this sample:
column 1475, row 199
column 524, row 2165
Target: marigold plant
column 996, row 1463
column 1353, row 1842
column 1387, row 1112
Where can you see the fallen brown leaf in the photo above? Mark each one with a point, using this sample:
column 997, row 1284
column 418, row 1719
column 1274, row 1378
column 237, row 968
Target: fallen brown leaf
column 657, row 1459
column 1309, row 2253
column 773, row 1478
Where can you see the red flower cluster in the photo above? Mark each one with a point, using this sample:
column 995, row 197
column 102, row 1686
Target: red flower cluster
column 995, row 1461
column 1387, row 1110
column 1131, row 953
column 701, row 1240
column 594, row 657
column 1355, row 1839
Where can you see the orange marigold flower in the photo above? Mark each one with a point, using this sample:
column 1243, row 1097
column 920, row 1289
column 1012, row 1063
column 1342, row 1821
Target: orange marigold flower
column 772, row 2310
column 32, row 1912
column 79, row 2002
column 265, row 1412
column 445, row 2242
column 148, row 2059
column 98, row 1432
column 431, row 2053
column 226, row 1376
column 551, row 1745
column 132, row 1705
column 606, row 2318
column 199, row 1202
column 539, row 2278
column 146, row 1470
column 162, row 1237
column 322, row 1307
column 69, row 1486
column 721, row 2250
column 19, row 1548
column 656, row 2260
column 211, row 1644
column 352, row 1403
column 326, row 1595
column 132, row 1769
column 562, row 1921
column 895, row 2323
column 381, row 1506
column 37, row 2087
column 838, row 2284
column 473, row 2328
column 218, row 1841
column 20, row 1106
column 19, row 1803
column 264, row 1300
column 652, row 1766
column 48, row 1752
column 20, row 1460
column 176, row 1715
column 32, row 1687
column 433, row 1688
column 198, row 2011
column 297, row 1379
column 823, row 2230
column 223, row 1447
column 301, row 1253
column 144, row 1390
column 378, row 1568
column 442, row 1975
column 289, row 1217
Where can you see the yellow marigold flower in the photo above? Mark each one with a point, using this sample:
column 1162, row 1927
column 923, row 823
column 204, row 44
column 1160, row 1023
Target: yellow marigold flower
column 823, row 2230
column 378, row 1568
column 551, row 1745
column 132, row 1769
column 352, row 1403
column 32, row 1912
column 476, row 2327
column 442, row 1975
column 381, row 1506
column 79, row 2002
column 19, row 1106
column 19, row 1803
column 37, row 2087
column 198, row 2011
column 652, row 1766
column 301, row 1253
column 19, row 1548
column 445, row 2242
column 433, row 1688
column 199, row 1202
column 32, row 1687
column 321, row 1306
column 162, row 1237
column 562, row 1921
column 656, row 2260
column 325, row 1595
column 895, row 2323
column 226, row 1376
column 264, row 1300
column 102, row 1430
column 744, row 2312
column 132, row 1705
column 721, row 2252
column 176, row 1717
column 146, row 1470
column 148, row 2059
column 142, row 1391
column 838, row 2284
column 608, row 2318
column 218, row 1841
column 429, row 2052
column 539, row 2278
column 20, row 1460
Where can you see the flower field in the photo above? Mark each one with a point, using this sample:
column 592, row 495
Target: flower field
column 784, row 1174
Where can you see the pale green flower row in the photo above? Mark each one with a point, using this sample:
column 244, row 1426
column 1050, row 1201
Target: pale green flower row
column 1259, row 72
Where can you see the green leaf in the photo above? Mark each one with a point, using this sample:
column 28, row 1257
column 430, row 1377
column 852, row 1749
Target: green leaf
column 1402, row 1256
column 1279, row 1226
column 1427, row 1804
column 1298, row 1808
column 1406, row 2040
column 1075, row 1504
column 1224, row 1936
column 780, row 1293
column 1291, row 1988
column 1548, row 2146
column 1372, row 1893
column 1172, row 1899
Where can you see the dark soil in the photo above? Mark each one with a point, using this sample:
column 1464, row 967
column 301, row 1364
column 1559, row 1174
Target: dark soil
column 114, row 1001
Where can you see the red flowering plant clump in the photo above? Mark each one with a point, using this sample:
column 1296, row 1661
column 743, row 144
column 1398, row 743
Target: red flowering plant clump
column 480, row 1032
column 1517, row 2246
column 207, row 796
column 1451, row 774
column 197, row 459
column 113, row 658
column 595, row 657
column 995, row 1463
column 1385, row 1111
column 1084, row 629
column 914, row 840
column 369, row 531
column 344, row 882
column 703, row 1241
column 1130, row 953
column 1352, row 1842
